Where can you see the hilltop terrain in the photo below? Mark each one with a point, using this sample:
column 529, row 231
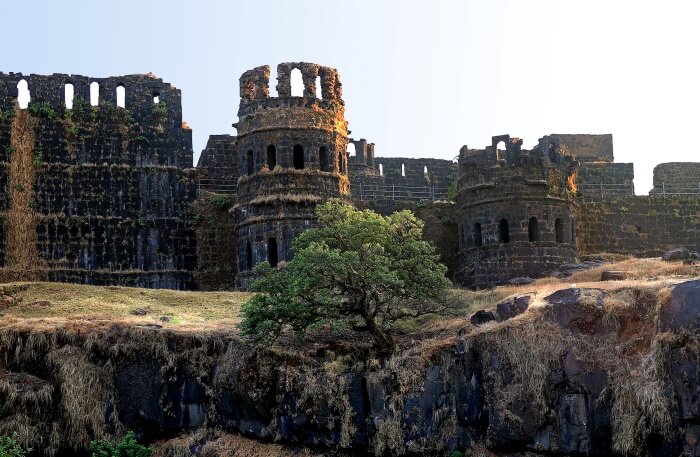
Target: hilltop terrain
column 585, row 367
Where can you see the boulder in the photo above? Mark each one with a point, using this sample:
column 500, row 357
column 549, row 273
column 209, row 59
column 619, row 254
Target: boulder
column 680, row 254
column 613, row 275
column 521, row 281
column 512, row 307
column 579, row 310
column 481, row 317
column 683, row 310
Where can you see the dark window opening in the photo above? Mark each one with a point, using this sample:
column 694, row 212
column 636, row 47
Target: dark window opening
column 478, row 239
column 532, row 230
column 249, row 162
column 298, row 157
column 271, row 157
column 248, row 256
column 323, row 158
column 559, row 230
column 272, row 252
column 504, row 231
column 573, row 231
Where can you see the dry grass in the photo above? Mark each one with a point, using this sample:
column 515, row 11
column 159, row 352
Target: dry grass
column 218, row 444
column 55, row 304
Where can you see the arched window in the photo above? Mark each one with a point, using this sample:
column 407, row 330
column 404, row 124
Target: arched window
column 272, row 252
column 381, row 169
column 425, row 170
column 559, row 230
column 478, row 239
column 403, row 169
column 156, row 98
column 297, row 83
column 323, row 158
column 250, row 163
column 532, row 231
column 351, row 149
column 94, row 93
column 248, row 256
column 271, row 157
column 298, row 153
column 504, row 231
column 23, row 95
column 319, row 91
column 69, row 95
column 501, row 146
column 121, row 96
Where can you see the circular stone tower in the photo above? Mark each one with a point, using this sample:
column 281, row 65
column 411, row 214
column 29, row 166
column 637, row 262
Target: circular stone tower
column 291, row 156
column 515, row 212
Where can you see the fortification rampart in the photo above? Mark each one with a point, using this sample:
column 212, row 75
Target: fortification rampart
column 102, row 177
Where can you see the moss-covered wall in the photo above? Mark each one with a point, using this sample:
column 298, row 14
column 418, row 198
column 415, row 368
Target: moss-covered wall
column 104, row 189
column 216, row 241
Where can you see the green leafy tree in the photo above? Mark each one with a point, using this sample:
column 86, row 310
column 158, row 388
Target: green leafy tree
column 10, row 448
column 127, row 447
column 357, row 268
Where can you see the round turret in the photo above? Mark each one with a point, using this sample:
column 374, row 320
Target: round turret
column 516, row 212
column 291, row 156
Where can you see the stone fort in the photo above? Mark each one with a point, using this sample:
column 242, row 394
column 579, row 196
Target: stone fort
column 99, row 187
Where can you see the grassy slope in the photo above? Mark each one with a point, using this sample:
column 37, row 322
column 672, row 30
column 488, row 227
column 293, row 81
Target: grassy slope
column 48, row 303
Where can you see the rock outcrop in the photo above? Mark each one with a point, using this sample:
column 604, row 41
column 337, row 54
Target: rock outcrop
column 581, row 372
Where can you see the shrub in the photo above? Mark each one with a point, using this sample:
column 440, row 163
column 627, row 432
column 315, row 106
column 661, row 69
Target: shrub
column 127, row 447
column 10, row 448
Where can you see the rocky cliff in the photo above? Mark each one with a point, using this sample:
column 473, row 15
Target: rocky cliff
column 609, row 370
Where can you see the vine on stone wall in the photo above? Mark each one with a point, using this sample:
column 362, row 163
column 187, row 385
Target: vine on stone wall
column 22, row 261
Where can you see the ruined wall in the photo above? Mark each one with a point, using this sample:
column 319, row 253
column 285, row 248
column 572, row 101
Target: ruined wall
column 401, row 178
column 440, row 224
column 584, row 147
column 677, row 177
column 644, row 226
column 108, row 187
column 218, row 165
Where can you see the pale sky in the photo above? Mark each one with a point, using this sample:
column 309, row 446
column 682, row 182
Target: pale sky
column 420, row 78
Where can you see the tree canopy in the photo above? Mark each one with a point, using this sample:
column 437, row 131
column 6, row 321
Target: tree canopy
column 357, row 268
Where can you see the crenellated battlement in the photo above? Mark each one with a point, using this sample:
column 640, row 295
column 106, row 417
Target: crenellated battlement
column 146, row 97
column 255, row 83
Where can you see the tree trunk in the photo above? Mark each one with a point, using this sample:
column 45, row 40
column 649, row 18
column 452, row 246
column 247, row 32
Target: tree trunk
column 384, row 341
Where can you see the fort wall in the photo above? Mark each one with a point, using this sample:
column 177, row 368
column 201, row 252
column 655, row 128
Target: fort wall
column 108, row 186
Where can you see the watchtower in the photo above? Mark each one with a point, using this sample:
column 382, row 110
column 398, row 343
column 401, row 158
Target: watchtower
column 515, row 211
column 292, row 155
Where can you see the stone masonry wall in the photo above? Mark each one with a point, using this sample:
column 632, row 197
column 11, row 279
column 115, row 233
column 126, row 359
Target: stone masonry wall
column 110, row 186
column 216, row 241
column 639, row 225
column 677, row 177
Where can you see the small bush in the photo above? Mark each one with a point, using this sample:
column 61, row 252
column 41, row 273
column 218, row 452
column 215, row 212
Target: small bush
column 10, row 448
column 220, row 202
column 127, row 447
